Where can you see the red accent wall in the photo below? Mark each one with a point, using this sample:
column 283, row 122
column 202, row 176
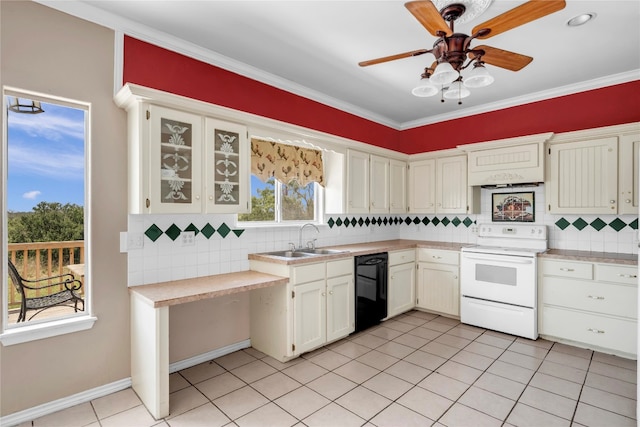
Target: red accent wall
column 159, row 68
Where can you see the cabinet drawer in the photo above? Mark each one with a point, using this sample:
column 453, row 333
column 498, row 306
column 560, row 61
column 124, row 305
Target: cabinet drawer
column 307, row 273
column 402, row 257
column 439, row 256
column 603, row 331
column 616, row 300
column 617, row 274
column 576, row 270
column 341, row 267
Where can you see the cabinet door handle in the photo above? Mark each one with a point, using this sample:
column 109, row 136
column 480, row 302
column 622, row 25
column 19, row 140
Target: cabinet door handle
column 436, row 257
column 627, row 276
column 595, row 297
column 566, row 269
column 595, row 331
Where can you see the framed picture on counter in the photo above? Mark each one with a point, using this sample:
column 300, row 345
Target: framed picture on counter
column 513, row 207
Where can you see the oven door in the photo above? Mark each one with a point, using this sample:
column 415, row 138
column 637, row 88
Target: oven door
column 509, row 279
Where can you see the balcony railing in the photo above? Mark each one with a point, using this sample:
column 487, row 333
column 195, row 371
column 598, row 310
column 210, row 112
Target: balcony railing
column 38, row 260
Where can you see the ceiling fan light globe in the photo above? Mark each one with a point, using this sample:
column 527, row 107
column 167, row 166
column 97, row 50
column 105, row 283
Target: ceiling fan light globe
column 457, row 91
column 444, row 74
column 424, row 91
column 478, row 77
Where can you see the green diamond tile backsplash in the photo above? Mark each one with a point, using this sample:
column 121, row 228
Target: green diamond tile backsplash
column 173, row 232
column 223, row 230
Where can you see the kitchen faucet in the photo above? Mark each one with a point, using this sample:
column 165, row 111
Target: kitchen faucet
column 300, row 235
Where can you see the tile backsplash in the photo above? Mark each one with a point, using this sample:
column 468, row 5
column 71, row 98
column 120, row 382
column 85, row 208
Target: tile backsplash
column 222, row 246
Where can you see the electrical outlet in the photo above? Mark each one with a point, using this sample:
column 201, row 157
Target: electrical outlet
column 135, row 241
column 188, row 238
column 474, row 229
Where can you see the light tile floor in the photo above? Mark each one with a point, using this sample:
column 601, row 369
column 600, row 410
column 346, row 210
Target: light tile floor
column 417, row 369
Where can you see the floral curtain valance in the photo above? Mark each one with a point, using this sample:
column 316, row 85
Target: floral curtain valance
column 286, row 162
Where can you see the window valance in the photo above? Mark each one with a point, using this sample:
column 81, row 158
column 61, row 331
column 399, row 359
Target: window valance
column 286, row 162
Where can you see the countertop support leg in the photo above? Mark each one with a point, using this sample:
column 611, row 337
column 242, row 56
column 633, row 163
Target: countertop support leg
column 150, row 355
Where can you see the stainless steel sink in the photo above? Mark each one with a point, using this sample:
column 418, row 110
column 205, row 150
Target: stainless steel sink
column 300, row 253
column 289, row 254
column 321, row 251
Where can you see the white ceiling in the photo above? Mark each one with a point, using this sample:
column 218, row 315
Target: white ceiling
column 312, row 48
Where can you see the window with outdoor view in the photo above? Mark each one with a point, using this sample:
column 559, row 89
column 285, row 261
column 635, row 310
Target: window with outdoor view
column 45, row 208
column 285, row 183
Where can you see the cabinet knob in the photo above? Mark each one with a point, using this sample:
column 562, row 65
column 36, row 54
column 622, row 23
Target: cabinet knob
column 324, row 294
column 210, row 197
column 628, row 201
column 455, row 277
column 393, row 277
column 612, row 201
column 197, row 197
column 330, row 292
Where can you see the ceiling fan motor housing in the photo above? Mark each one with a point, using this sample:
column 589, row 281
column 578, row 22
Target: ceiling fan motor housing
column 452, row 50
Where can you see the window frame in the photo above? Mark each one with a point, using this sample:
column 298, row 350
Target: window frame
column 11, row 334
column 279, row 222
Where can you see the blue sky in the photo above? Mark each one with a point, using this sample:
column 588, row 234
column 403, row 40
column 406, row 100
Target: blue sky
column 46, row 157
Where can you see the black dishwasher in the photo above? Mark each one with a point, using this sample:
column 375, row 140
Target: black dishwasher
column 371, row 290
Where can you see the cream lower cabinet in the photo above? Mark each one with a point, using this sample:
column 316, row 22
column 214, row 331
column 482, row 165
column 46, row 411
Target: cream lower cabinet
column 401, row 284
column 316, row 307
column 439, row 281
column 592, row 305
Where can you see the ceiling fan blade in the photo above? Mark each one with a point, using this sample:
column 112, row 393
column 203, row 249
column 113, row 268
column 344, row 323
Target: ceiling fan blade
column 394, row 57
column 520, row 15
column 503, row 58
column 429, row 17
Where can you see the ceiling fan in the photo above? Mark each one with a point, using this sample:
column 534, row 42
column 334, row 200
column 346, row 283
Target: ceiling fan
column 453, row 51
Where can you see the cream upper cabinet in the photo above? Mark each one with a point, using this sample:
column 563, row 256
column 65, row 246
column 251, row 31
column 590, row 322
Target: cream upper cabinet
column 397, row 186
column 451, row 184
column 439, row 185
column 583, row 177
column 379, row 184
column 422, row 186
column 181, row 157
column 594, row 171
column 170, row 175
column 375, row 184
column 227, row 167
column 357, row 182
column 629, row 151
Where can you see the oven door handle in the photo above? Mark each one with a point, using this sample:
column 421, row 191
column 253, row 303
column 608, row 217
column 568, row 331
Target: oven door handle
column 505, row 259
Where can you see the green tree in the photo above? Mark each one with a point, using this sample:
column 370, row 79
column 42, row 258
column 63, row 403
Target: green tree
column 263, row 206
column 49, row 222
column 297, row 202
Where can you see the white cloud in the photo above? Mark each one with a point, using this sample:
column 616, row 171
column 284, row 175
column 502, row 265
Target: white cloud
column 51, row 125
column 31, row 194
column 49, row 162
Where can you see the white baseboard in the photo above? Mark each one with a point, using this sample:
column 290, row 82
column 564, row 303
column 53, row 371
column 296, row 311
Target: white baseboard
column 205, row 357
column 63, row 403
column 94, row 393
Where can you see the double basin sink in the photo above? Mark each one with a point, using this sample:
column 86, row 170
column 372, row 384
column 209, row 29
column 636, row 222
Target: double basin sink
column 300, row 253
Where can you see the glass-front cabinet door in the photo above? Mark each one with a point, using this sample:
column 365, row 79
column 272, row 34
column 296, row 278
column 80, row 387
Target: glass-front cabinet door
column 175, row 159
column 227, row 167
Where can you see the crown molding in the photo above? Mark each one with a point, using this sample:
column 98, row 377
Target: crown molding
column 123, row 26
column 131, row 28
column 529, row 98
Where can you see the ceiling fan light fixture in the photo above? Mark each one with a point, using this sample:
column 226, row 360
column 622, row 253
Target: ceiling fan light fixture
column 457, row 90
column 444, row 74
column 581, row 19
column 424, row 91
column 478, row 77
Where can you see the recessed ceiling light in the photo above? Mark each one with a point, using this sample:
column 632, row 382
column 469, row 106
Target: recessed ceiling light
column 582, row 19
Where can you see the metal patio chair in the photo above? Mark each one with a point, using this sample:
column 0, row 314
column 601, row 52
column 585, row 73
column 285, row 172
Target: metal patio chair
column 69, row 296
